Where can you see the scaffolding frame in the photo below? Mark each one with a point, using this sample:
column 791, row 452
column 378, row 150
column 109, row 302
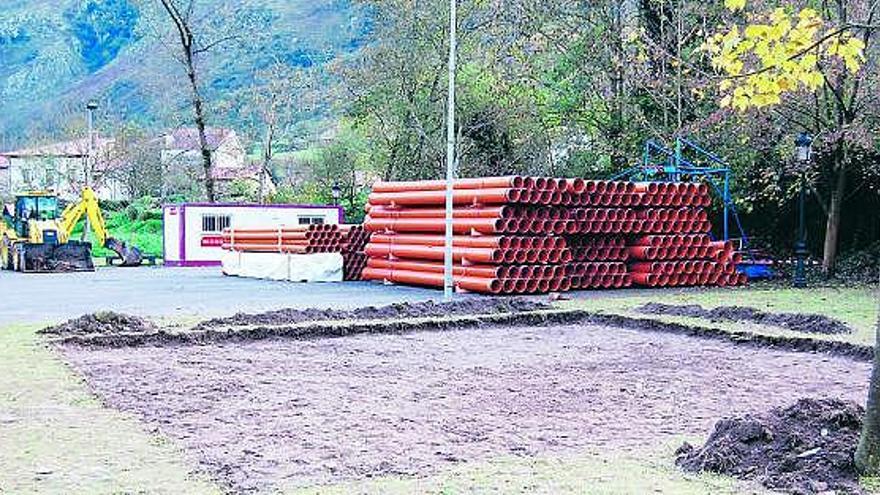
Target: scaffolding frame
column 688, row 159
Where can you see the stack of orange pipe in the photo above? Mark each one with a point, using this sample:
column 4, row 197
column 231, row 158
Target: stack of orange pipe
column 521, row 234
column 354, row 240
column 295, row 240
column 684, row 260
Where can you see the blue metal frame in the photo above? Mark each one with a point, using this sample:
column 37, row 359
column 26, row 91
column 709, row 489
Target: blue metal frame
column 660, row 163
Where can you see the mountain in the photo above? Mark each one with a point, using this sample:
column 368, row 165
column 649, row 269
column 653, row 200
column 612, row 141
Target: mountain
column 56, row 54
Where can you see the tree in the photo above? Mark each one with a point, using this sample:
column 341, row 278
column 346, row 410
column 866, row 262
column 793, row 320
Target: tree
column 397, row 92
column 200, row 29
column 189, row 49
column 810, row 68
column 136, row 162
column 279, row 95
column 868, row 452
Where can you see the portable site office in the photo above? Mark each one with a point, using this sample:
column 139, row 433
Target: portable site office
column 192, row 231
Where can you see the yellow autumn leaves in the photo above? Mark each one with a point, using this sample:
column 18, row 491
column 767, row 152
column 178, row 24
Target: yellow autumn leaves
column 779, row 53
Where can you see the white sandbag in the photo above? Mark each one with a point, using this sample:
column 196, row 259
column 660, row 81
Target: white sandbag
column 320, row 267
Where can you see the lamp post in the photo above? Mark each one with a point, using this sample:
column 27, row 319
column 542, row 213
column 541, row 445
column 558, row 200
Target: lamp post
column 91, row 106
column 804, row 147
column 336, row 191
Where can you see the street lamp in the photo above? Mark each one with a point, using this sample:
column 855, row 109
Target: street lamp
column 804, row 146
column 91, row 106
column 336, row 191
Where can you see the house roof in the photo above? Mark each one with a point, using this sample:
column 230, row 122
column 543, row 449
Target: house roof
column 78, row 148
column 232, row 173
column 187, row 138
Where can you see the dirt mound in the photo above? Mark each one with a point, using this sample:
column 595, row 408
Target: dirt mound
column 799, row 322
column 471, row 306
column 802, row 449
column 102, row 323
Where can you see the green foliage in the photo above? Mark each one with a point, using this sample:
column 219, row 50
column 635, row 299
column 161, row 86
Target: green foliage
column 860, row 266
column 242, row 191
column 145, row 231
column 145, row 208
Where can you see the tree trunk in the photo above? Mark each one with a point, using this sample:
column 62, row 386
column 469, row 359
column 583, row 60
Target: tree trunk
column 868, row 452
column 832, row 228
column 198, row 106
column 267, row 161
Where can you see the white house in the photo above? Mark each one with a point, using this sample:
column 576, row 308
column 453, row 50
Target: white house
column 181, row 157
column 61, row 167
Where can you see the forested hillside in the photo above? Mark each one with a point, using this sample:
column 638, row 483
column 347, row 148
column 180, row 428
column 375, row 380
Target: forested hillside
column 56, row 54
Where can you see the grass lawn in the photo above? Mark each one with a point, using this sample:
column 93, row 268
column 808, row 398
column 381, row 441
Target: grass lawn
column 856, row 307
column 594, row 474
column 55, row 437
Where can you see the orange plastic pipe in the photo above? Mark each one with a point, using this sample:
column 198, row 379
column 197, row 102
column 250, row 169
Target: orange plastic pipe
column 440, row 185
column 459, row 197
column 480, row 271
column 478, row 212
column 474, row 284
column 435, row 225
column 474, row 255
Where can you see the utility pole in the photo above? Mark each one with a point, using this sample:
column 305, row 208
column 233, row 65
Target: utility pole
column 448, row 279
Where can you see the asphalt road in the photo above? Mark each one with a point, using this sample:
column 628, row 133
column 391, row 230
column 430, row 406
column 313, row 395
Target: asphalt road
column 169, row 292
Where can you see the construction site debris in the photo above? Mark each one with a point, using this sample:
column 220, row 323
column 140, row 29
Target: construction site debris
column 802, row 449
column 102, row 323
column 394, row 311
column 799, row 322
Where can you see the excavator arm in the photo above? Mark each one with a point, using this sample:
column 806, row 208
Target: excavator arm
column 88, row 207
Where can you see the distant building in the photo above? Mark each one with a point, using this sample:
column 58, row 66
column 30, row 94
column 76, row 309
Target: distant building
column 181, row 158
column 61, row 167
column 65, row 167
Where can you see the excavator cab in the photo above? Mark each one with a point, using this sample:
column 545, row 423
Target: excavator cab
column 34, row 207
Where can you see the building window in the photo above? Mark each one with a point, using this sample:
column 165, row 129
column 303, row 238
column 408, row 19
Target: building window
column 311, row 220
column 212, row 224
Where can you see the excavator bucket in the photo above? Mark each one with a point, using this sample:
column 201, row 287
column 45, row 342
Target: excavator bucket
column 50, row 258
column 130, row 255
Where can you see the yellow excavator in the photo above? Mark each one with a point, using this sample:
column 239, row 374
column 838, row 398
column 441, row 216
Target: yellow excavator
column 36, row 239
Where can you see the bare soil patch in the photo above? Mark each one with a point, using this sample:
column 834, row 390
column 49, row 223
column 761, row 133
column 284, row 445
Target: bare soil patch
column 805, row 448
column 103, row 323
column 799, row 322
column 281, row 413
column 394, row 311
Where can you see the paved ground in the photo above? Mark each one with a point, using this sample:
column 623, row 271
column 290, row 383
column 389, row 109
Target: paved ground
column 151, row 291
column 286, row 413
